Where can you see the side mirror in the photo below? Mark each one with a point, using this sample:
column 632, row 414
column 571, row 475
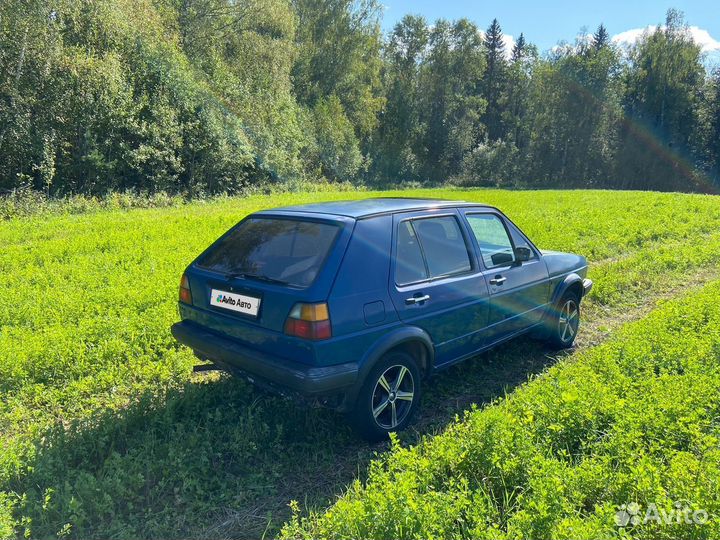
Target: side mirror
column 501, row 258
column 523, row 254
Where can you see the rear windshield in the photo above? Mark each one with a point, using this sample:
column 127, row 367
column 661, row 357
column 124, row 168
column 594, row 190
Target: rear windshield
column 286, row 251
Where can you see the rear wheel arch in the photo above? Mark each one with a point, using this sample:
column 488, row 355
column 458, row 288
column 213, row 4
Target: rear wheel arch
column 418, row 350
column 411, row 340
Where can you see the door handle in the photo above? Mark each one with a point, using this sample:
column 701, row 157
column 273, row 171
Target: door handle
column 498, row 280
column 417, row 299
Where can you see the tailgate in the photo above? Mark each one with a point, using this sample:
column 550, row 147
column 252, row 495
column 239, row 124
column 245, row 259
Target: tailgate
column 245, row 296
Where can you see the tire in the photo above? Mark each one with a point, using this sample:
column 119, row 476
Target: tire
column 565, row 322
column 372, row 416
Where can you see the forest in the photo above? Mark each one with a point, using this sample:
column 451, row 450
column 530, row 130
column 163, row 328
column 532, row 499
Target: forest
column 198, row 97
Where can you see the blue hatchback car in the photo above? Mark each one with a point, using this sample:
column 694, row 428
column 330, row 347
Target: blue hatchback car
column 357, row 302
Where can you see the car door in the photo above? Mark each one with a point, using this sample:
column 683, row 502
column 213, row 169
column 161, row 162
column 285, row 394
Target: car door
column 518, row 290
column 436, row 282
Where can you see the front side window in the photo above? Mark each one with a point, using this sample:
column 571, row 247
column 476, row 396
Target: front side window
column 430, row 248
column 284, row 250
column 492, row 237
column 518, row 239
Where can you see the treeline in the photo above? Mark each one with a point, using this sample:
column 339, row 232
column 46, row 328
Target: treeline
column 206, row 96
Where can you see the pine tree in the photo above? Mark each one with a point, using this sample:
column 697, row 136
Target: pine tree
column 600, row 38
column 494, row 46
column 518, row 49
column 493, row 42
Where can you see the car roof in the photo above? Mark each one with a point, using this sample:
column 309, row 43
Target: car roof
column 373, row 206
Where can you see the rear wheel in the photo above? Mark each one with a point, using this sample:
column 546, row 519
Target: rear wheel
column 566, row 322
column 389, row 397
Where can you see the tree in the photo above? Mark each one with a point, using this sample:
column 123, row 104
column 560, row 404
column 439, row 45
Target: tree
column 600, row 38
column 204, row 96
column 518, row 87
column 28, row 49
column 518, row 50
column 493, row 80
column 107, row 99
column 451, row 107
column 397, row 140
column 661, row 107
column 339, row 43
column 711, row 127
column 338, row 153
column 575, row 109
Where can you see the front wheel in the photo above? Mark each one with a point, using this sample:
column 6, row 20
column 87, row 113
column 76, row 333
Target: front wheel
column 389, row 397
column 566, row 322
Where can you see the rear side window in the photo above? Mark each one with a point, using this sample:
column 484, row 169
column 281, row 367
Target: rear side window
column 492, row 237
column 409, row 264
column 284, row 250
column 428, row 248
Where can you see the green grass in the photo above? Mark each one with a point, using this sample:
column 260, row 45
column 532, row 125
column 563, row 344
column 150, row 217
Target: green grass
column 105, row 432
column 636, row 420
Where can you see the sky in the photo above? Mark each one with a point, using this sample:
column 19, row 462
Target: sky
column 549, row 22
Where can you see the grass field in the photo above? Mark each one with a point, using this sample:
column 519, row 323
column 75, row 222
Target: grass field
column 106, row 433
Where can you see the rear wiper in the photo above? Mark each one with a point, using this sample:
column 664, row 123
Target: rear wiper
column 257, row 277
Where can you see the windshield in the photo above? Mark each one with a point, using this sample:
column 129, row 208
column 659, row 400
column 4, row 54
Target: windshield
column 278, row 250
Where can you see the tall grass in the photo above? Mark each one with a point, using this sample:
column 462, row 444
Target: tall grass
column 633, row 422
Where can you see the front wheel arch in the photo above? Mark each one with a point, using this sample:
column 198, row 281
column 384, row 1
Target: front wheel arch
column 573, row 283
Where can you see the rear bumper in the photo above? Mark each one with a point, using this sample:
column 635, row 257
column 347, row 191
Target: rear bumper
column 587, row 286
column 300, row 378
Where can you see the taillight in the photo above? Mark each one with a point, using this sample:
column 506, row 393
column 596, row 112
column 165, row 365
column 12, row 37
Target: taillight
column 309, row 321
column 185, row 295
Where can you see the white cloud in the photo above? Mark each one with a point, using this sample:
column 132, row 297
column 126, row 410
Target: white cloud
column 509, row 42
column 704, row 39
column 629, row 37
column 701, row 36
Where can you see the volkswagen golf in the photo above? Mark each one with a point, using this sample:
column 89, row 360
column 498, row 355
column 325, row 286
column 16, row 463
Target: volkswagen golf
column 356, row 303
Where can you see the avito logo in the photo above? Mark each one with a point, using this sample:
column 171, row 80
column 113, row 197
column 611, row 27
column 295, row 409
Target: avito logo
column 225, row 300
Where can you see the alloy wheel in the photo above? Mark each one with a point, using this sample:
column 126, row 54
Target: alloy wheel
column 393, row 396
column 569, row 321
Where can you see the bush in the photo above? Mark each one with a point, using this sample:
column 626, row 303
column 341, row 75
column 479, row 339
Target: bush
column 27, row 202
column 337, row 147
column 490, row 164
